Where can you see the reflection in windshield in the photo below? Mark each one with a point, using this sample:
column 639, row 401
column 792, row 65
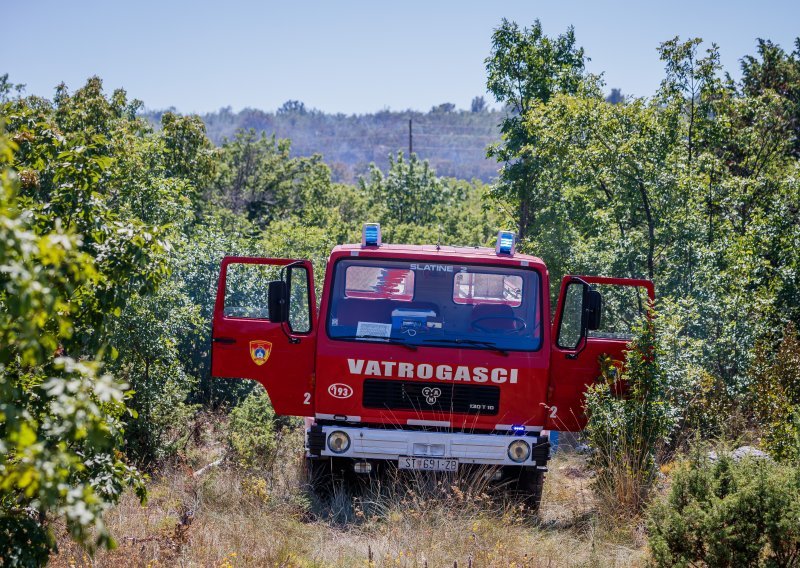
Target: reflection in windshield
column 436, row 304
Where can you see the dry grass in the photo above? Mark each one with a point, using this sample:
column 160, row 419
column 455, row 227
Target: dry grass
column 229, row 517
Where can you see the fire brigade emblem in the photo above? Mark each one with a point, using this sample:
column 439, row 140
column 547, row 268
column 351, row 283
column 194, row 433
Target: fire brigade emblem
column 259, row 351
column 431, row 395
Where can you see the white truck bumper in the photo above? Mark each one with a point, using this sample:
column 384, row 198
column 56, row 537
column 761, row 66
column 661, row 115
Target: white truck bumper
column 388, row 444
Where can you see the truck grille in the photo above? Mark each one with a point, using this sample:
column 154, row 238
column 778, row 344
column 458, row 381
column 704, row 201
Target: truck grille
column 440, row 397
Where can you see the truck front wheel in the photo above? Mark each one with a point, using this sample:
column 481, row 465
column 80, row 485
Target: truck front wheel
column 324, row 476
column 527, row 483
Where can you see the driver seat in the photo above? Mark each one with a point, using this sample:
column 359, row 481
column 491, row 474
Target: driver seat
column 499, row 317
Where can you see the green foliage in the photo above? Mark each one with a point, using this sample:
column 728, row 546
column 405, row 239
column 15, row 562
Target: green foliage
column 727, row 513
column 150, row 331
column 195, row 273
column 23, row 543
column 628, row 424
column 113, row 232
column 72, row 179
column 409, row 193
column 251, row 431
column 695, row 188
column 187, row 153
column 415, row 206
column 526, row 68
column 260, row 179
column 6, row 87
column 776, row 396
column 60, row 419
column 94, row 211
column 773, row 71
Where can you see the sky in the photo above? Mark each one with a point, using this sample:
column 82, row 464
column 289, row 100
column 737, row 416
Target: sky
column 348, row 56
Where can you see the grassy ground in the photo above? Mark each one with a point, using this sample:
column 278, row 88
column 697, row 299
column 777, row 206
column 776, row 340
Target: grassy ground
column 228, row 516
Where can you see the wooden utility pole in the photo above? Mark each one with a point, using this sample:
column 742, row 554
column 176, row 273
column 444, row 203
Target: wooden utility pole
column 410, row 139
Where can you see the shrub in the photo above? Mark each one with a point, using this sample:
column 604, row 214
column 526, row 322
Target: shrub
column 148, row 332
column 776, row 393
column 728, row 513
column 60, row 417
column 252, row 430
column 628, row 423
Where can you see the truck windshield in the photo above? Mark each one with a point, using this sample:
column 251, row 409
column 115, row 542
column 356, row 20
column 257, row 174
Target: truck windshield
column 443, row 305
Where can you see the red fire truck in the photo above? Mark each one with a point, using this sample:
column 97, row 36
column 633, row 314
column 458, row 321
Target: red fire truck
column 424, row 357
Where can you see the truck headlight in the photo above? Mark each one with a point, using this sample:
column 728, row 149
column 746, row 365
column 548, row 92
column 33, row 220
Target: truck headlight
column 519, row 451
column 338, row 442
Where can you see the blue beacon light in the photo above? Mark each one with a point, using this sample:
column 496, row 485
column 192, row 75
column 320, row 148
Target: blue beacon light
column 505, row 243
column 371, row 235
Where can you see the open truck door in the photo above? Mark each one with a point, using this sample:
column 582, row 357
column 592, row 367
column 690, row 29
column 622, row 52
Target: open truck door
column 264, row 328
column 594, row 317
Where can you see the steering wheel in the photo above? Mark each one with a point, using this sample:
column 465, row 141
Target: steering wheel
column 519, row 324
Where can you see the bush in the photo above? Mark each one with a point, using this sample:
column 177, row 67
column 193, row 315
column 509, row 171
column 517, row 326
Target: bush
column 776, row 396
column 252, row 430
column 626, row 431
column 728, row 513
column 149, row 332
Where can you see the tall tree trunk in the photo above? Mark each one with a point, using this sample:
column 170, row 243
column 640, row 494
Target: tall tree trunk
column 524, row 214
column 651, row 229
column 691, row 134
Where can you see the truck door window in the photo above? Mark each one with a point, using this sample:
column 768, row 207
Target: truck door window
column 299, row 300
column 569, row 331
column 623, row 307
column 246, row 289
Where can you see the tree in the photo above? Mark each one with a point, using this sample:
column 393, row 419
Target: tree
column 776, row 395
column 410, row 192
column 525, row 68
column 615, row 97
column 293, row 107
column 478, row 104
column 258, row 177
column 443, row 108
column 61, row 418
column 187, row 153
column 627, row 431
column 727, row 512
column 773, row 70
column 692, row 83
column 6, row 87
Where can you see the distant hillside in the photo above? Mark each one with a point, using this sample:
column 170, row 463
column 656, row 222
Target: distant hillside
column 454, row 141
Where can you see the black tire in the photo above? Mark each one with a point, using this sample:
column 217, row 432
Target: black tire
column 527, row 484
column 323, row 475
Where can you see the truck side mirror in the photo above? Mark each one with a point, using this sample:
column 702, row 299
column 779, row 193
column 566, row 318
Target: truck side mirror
column 594, row 309
column 278, row 301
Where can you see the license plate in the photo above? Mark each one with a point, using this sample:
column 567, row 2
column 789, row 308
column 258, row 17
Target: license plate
column 428, row 464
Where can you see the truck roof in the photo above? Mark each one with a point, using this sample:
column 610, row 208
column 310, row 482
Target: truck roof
column 472, row 253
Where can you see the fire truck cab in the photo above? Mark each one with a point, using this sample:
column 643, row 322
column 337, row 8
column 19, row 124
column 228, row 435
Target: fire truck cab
column 424, row 357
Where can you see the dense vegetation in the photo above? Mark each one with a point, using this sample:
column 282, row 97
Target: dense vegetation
column 695, row 188
column 112, row 233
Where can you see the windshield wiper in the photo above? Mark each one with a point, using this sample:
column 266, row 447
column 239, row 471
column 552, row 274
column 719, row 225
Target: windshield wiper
column 382, row 339
column 476, row 342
